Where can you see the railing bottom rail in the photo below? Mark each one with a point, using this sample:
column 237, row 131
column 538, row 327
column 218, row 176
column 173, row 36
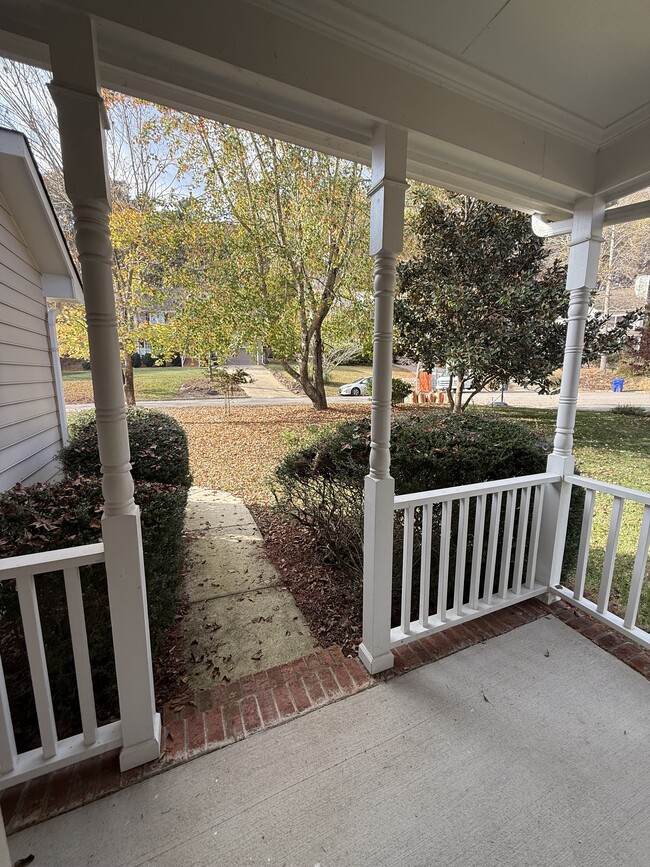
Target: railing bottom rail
column 69, row 751
column 435, row 624
column 634, row 633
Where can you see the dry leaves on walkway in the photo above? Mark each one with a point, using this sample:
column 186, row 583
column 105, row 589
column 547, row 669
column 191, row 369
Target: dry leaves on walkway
column 237, row 452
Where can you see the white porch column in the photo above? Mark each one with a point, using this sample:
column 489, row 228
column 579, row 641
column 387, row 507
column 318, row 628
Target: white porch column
column 82, row 120
column 388, row 188
column 584, row 255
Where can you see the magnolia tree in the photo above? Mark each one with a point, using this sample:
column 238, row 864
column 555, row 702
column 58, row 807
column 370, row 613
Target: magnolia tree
column 480, row 296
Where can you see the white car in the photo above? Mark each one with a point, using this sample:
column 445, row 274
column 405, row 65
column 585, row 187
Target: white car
column 356, row 388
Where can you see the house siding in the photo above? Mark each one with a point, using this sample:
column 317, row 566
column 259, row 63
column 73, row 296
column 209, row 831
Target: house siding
column 30, row 429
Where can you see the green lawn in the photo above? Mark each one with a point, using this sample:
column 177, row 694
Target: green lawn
column 151, row 383
column 347, row 373
column 610, row 448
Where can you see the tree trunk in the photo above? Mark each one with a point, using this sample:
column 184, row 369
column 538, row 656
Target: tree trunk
column 458, row 402
column 315, row 391
column 319, row 377
column 608, row 291
column 129, row 388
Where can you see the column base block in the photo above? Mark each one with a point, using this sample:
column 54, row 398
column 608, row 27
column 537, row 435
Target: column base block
column 549, row 597
column 375, row 664
column 146, row 751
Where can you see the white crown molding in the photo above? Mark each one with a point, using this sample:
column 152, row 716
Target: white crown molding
column 337, row 21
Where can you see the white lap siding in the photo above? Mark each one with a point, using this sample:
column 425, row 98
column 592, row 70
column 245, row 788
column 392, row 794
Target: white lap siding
column 30, row 432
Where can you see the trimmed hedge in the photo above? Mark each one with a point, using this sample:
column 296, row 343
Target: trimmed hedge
column 159, row 451
column 321, row 484
column 68, row 513
column 61, row 515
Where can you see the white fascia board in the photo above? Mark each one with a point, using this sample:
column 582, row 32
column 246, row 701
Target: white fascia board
column 61, row 286
column 286, row 67
column 624, row 166
column 30, row 207
column 249, row 66
column 280, row 73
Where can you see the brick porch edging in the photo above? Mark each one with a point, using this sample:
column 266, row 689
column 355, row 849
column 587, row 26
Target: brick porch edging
column 212, row 719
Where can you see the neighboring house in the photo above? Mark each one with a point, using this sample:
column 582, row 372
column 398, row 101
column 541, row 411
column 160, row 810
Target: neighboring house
column 35, row 267
column 622, row 300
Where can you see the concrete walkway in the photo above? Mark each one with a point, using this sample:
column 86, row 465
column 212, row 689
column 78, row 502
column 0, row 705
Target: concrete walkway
column 240, row 620
column 264, row 385
column 530, row 749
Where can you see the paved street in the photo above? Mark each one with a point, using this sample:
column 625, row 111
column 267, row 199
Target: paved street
column 599, row 401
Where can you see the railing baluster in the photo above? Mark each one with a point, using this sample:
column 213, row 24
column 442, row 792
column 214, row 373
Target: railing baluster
column 7, row 739
column 610, row 554
column 443, row 565
column 506, row 550
column 425, row 563
column 585, row 539
column 461, row 554
column 37, row 663
column 80, row 652
column 533, row 545
column 522, row 529
column 407, row 568
column 477, row 550
column 638, row 572
column 493, row 541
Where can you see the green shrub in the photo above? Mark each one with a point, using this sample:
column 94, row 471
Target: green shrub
column 159, row 451
column 399, row 390
column 629, row 409
column 64, row 514
column 321, row 484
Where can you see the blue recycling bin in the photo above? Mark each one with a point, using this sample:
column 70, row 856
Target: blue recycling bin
column 617, row 384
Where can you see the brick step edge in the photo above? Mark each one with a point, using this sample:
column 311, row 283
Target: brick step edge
column 214, row 718
column 210, row 720
column 226, row 713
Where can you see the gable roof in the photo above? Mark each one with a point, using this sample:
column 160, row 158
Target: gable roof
column 23, row 189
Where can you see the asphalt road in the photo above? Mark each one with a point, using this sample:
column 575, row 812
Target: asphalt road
column 600, row 401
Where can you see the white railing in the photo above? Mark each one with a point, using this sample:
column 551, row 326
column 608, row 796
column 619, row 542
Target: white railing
column 599, row 607
column 498, row 522
column 54, row 752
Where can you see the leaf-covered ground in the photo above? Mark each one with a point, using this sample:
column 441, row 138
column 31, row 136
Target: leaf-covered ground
column 237, row 452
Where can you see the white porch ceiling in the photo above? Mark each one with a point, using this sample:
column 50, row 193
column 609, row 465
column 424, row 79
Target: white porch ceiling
column 526, row 103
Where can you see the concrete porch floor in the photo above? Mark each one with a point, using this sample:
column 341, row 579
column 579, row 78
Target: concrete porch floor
column 499, row 754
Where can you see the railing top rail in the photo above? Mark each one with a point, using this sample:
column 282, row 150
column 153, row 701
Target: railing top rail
column 606, row 488
column 404, row 501
column 51, row 561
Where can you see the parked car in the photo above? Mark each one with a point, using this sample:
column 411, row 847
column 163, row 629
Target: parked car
column 356, row 388
column 442, row 381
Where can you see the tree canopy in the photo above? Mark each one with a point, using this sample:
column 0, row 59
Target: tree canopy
column 481, row 296
column 297, row 267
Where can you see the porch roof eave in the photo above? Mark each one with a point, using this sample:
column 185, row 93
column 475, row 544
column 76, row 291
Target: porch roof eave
column 475, row 145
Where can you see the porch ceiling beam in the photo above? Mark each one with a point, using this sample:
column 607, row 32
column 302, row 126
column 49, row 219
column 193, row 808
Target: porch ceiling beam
column 243, row 64
column 544, row 228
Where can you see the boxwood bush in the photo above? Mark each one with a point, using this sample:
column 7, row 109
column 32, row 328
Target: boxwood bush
column 64, row 514
column 68, row 513
column 321, row 483
column 159, row 451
